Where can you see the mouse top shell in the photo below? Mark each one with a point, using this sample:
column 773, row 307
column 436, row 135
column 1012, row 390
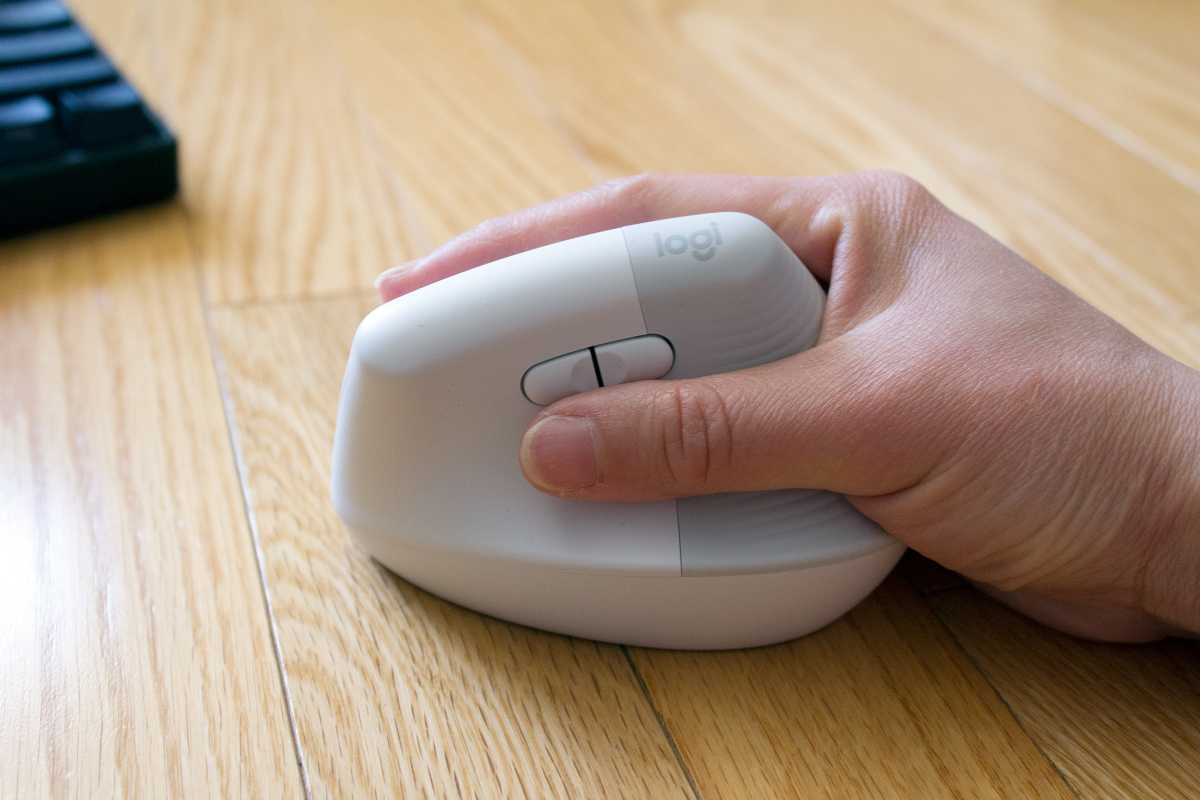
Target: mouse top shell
column 437, row 396
column 722, row 288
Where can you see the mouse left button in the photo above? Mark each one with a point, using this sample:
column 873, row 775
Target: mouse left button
column 559, row 377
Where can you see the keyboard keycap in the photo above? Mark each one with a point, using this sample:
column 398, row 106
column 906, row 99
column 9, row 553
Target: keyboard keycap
column 103, row 114
column 28, row 130
column 21, row 48
column 54, row 76
column 28, row 16
column 75, row 139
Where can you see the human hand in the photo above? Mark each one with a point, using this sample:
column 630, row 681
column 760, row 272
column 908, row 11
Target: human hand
column 974, row 408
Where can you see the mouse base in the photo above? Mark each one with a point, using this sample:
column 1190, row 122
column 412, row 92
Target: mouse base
column 672, row 612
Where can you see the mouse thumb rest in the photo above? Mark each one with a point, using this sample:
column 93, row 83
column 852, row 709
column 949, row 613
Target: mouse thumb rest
column 438, row 393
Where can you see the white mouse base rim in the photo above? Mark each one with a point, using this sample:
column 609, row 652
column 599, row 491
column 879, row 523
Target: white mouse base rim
column 670, row 612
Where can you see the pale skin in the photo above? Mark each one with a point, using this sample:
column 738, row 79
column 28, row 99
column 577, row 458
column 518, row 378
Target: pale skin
column 971, row 406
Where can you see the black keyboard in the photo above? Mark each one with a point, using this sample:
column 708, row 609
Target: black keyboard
column 76, row 139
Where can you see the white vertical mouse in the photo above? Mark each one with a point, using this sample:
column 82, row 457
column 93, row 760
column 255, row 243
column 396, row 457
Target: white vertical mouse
column 442, row 383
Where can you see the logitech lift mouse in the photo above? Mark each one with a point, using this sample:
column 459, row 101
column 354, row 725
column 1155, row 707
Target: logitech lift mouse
column 443, row 382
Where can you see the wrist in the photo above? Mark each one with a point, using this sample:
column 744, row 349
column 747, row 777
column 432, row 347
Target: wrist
column 1170, row 589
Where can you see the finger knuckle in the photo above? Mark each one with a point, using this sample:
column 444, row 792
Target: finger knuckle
column 893, row 207
column 694, row 431
column 631, row 190
column 897, row 189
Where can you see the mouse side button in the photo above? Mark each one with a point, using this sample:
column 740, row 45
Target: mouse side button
column 638, row 359
column 559, row 377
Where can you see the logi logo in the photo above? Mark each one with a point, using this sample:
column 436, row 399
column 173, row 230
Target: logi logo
column 703, row 243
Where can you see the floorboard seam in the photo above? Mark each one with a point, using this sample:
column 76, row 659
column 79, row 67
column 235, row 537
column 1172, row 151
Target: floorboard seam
column 218, row 365
column 662, row 723
column 962, row 648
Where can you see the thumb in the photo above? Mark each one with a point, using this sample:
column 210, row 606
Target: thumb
column 810, row 421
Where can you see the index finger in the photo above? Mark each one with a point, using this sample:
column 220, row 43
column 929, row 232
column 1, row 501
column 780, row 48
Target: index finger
column 790, row 206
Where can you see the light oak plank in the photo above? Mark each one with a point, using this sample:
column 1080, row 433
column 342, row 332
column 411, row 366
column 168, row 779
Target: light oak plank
column 1119, row 721
column 1130, row 70
column 135, row 654
column 880, row 704
column 396, row 692
column 455, row 121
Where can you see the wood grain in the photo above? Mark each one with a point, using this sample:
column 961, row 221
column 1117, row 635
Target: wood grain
column 1118, row 721
column 880, row 704
column 1129, row 70
column 397, row 692
column 135, row 654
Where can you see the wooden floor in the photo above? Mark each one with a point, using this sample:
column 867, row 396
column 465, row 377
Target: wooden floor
column 181, row 613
